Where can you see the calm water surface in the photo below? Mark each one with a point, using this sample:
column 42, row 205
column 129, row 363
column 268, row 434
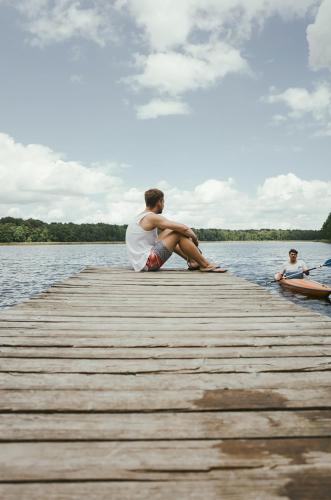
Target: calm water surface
column 28, row 270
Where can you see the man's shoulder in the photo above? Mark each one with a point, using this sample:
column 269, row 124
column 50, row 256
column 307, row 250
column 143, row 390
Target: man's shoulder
column 153, row 216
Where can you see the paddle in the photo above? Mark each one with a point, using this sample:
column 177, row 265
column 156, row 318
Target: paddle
column 327, row 263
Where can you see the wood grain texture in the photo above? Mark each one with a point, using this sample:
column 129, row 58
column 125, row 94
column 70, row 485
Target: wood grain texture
column 301, row 483
column 115, row 460
column 161, row 425
column 223, row 399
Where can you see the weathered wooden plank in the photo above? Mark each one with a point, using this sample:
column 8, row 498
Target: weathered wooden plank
column 169, row 283
column 120, row 341
column 114, row 317
column 160, row 425
column 164, row 335
column 175, row 284
column 233, row 325
column 111, row 310
column 301, row 482
column 156, row 490
column 186, row 319
column 158, row 280
column 165, row 352
column 56, row 298
column 246, row 398
column 108, row 293
column 170, row 306
column 185, row 305
column 227, row 304
column 154, row 459
column 206, row 365
column 180, row 338
column 123, row 300
column 210, row 382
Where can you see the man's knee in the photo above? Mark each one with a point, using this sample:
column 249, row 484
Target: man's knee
column 180, row 236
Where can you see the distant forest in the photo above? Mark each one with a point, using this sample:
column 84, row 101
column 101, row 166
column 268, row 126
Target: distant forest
column 13, row 230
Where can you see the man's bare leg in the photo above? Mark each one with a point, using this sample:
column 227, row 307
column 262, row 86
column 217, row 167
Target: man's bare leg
column 172, row 239
column 191, row 263
column 178, row 251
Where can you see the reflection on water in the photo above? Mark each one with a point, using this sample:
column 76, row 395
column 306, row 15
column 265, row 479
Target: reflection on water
column 28, row 270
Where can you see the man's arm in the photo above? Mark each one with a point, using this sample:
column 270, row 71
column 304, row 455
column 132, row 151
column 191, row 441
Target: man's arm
column 151, row 221
column 305, row 268
column 280, row 274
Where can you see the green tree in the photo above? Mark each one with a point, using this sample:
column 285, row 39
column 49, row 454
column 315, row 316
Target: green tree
column 7, row 232
column 326, row 228
column 19, row 234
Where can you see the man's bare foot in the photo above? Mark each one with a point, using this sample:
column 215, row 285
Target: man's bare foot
column 212, row 269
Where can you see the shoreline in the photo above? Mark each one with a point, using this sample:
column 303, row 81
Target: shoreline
column 45, row 243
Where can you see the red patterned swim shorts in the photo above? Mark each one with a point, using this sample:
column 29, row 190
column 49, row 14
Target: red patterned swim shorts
column 159, row 254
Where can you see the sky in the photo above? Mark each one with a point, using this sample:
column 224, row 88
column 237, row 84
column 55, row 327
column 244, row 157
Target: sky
column 225, row 105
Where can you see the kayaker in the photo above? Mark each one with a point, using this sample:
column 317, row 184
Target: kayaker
column 293, row 267
column 151, row 239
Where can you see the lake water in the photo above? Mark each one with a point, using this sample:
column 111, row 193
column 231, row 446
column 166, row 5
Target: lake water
column 28, row 270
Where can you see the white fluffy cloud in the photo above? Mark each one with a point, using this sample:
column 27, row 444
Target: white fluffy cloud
column 48, row 22
column 300, row 102
column 199, row 66
column 319, row 38
column 159, row 107
column 171, row 23
column 283, row 201
column 37, row 182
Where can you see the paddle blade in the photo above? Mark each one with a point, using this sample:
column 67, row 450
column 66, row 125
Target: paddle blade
column 327, row 263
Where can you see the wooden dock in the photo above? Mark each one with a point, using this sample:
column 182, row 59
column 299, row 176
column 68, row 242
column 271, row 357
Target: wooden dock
column 170, row 385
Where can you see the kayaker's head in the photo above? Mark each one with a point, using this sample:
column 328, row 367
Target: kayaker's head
column 154, row 199
column 293, row 254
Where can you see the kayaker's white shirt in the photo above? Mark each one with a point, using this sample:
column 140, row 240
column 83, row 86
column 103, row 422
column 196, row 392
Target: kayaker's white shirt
column 298, row 267
column 139, row 242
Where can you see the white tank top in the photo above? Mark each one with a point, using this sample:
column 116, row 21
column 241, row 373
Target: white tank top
column 139, row 242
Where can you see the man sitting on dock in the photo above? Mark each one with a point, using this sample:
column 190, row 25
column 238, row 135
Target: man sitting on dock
column 151, row 239
column 294, row 267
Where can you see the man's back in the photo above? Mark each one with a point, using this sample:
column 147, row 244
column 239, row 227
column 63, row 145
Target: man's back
column 139, row 242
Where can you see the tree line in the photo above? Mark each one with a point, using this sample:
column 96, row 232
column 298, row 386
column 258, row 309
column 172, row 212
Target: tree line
column 16, row 230
column 31, row 230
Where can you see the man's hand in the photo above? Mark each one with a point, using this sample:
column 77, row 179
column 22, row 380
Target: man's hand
column 191, row 234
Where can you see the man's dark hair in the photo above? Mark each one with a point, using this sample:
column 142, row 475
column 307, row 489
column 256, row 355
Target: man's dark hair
column 293, row 250
column 152, row 196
